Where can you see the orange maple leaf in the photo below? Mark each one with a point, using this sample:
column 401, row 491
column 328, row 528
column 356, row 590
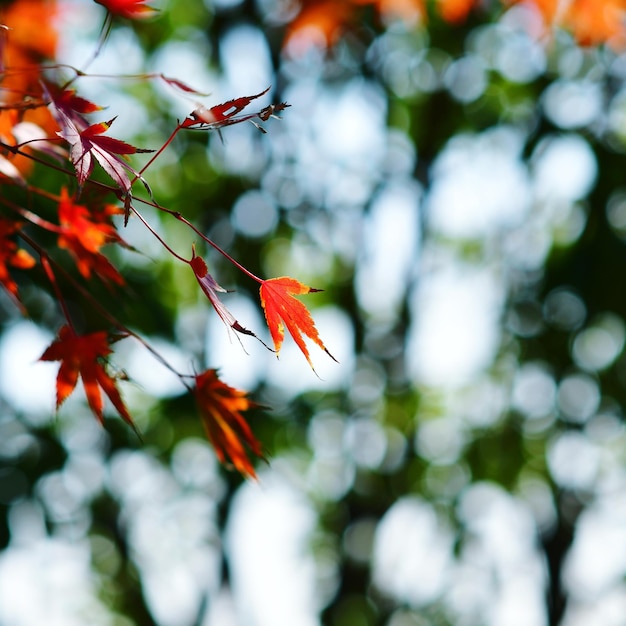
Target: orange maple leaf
column 84, row 232
column 282, row 309
column 597, row 21
column 84, row 355
column 220, row 409
column 11, row 255
column 130, row 9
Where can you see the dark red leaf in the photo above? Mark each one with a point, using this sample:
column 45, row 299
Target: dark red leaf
column 226, row 114
column 130, row 9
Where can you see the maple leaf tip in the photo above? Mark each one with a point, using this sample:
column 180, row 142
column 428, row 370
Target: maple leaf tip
column 137, row 432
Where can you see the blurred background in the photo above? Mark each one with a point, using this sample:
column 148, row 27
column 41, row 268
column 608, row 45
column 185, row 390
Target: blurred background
column 452, row 177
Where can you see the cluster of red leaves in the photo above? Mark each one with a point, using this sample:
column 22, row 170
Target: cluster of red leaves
column 33, row 110
column 84, row 230
column 220, row 405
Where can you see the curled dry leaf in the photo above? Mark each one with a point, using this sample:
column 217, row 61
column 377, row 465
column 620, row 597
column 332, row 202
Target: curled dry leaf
column 227, row 114
column 210, row 288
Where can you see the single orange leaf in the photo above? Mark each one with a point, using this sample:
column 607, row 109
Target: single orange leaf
column 221, row 409
column 283, row 310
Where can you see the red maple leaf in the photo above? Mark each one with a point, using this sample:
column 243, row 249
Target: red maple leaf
column 11, row 255
column 283, row 310
column 131, row 9
column 85, row 356
column 89, row 143
column 221, row 409
column 85, row 231
column 71, row 105
column 226, row 114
